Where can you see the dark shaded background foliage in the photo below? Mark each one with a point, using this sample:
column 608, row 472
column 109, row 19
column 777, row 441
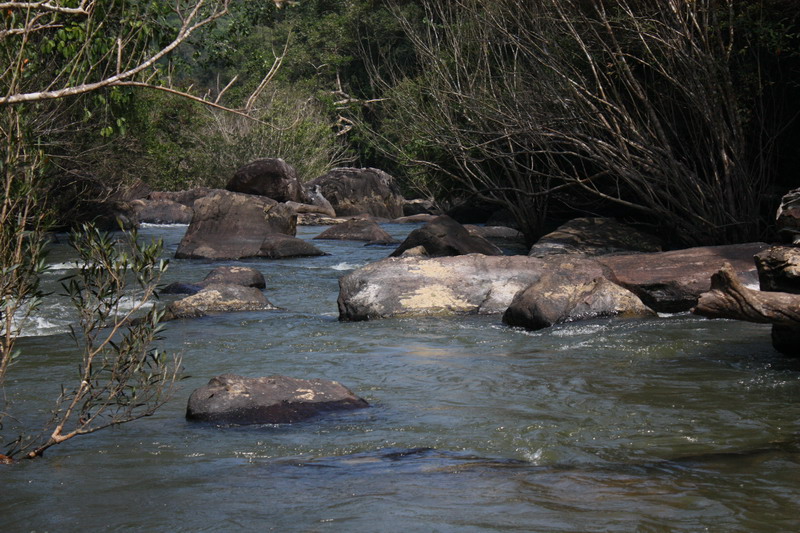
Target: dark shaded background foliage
column 349, row 72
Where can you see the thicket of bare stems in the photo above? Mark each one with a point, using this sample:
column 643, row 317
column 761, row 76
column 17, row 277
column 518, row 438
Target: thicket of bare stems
column 631, row 103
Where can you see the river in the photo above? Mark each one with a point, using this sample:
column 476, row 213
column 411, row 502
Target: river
column 669, row 424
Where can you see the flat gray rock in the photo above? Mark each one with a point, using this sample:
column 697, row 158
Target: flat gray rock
column 232, row 399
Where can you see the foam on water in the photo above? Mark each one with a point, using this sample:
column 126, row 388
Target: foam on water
column 153, row 225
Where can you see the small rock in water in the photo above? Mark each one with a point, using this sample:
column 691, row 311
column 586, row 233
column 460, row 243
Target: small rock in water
column 232, row 399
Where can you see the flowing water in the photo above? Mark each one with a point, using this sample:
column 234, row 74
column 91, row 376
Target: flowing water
column 670, row 424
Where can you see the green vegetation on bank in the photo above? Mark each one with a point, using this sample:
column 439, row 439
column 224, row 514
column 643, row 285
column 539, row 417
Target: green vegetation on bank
column 678, row 115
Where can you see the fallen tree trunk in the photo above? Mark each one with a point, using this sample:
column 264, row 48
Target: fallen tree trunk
column 729, row 298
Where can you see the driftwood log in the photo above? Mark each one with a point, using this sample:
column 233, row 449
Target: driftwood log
column 729, row 298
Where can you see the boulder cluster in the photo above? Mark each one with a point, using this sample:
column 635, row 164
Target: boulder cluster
column 587, row 268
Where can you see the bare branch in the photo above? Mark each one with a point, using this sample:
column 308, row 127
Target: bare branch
column 189, row 26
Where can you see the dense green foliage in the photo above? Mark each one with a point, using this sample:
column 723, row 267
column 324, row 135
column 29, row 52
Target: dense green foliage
column 542, row 108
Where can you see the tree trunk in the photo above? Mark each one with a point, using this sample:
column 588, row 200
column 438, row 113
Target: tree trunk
column 729, row 298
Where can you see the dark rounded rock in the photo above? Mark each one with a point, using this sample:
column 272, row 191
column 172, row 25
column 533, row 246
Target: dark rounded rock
column 232, row 399
column 278, row 246
column 357, row 191
column 357, row 230
column 270, row 177
column 235, row 275
column 181, row 288
column 443, row 237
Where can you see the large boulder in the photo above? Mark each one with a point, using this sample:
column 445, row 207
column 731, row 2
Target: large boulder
column 228, row 225
column 232, row 399
column 162, row 212
column 594, row 236
column 270, row 177
column 218, row 298
column 788, row 217
column 671, row 282
column 443, row 236
column 357, row 230
column 357, row 191
column 570, row 290
column 779, row 271
column 412, row 286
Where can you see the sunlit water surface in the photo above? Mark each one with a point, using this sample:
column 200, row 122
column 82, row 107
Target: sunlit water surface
column 672, row 424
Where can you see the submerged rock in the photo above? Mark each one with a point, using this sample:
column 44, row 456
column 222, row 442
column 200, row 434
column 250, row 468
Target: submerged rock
column 232, row 399
column 443, row 237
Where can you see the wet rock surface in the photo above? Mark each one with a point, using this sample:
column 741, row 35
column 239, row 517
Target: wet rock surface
column 232, row 399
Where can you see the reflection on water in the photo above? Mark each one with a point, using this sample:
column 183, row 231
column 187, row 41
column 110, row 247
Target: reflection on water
column 671, row 424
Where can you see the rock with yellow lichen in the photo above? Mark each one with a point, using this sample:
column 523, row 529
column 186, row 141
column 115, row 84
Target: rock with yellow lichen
column 569, row 290
column 414, row 286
